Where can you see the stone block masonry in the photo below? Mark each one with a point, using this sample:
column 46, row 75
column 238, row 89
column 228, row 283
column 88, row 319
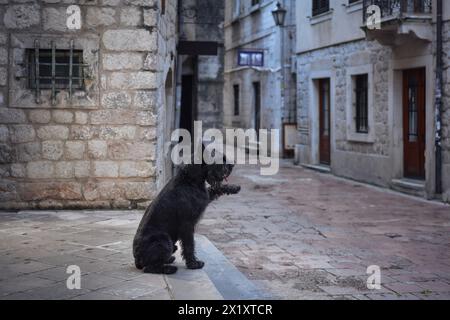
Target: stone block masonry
column 96, row 149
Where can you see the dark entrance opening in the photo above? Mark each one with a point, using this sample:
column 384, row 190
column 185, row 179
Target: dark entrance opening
column 325, row 123
column 257, row 106
column 187, row 110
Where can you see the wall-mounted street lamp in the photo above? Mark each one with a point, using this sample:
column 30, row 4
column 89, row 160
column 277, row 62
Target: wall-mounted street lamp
column 289, row 126
column 279, row 15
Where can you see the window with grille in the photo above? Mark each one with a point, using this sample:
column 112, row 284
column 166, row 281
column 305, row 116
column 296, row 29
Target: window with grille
column 320, row 6
column 236, row 99
column 54, row 69
column 361, row 103
column 48, row 67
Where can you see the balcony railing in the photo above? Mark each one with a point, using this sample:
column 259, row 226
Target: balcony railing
column 397, row 8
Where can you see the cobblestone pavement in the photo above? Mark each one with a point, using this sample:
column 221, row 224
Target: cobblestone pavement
column 306, row 235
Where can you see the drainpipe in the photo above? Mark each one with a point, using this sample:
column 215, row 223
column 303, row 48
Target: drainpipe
column 438, row 96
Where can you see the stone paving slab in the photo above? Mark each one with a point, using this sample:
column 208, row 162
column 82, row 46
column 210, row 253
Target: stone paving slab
column 297, row 235
column 308, row 235
column 34, row 257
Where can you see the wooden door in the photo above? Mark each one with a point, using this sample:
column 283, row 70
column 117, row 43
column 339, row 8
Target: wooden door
column 414, row 123
column 325, row 123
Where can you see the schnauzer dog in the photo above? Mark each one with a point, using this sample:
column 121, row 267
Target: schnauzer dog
column 173, row 215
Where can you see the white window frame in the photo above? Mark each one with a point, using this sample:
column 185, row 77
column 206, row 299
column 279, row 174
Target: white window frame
column 352, row 134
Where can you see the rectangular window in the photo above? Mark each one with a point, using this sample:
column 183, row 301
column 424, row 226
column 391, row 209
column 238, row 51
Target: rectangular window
column 250, row 58
column 255, row 2
column 361, row 103
column 320, row 6
column 57, row 67
column 236, row 8
column 353, row 1
column 236, row 99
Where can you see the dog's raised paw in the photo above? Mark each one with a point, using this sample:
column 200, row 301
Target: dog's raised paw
column 194, row 265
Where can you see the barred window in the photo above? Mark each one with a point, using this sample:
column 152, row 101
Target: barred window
column 48, row 67
column 54, row 69
column 361, row 104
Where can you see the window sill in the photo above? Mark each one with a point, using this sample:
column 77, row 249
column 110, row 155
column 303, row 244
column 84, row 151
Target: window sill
column 360, row 137
column 235, row 19
column 352, row 7
column 255, row 8
column 326, row 16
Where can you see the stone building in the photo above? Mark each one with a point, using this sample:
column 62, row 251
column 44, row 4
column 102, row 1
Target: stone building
column 88, row 99
column 366, row 107
column 202, row 66
column 259, row 90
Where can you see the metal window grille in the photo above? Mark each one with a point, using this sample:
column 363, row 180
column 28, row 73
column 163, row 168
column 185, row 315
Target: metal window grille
column 55, row 69
column 361, row 93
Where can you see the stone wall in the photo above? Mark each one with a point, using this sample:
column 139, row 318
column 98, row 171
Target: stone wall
column 446, row 115
column 379, row 158
column 98, row 148
column 337, row 59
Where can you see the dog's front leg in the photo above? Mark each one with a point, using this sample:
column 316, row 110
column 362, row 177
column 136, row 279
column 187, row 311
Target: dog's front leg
column 230, row 189
column 188, row 246
column 216, row 192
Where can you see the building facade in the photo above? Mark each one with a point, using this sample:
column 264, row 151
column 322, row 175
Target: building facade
column 367, row 92
column 88, row 100
column 259, row 90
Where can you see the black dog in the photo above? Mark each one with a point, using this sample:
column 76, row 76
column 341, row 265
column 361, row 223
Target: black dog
column 173, row 215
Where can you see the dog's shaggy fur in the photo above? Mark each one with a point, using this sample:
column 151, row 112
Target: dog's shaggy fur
column 173, row 215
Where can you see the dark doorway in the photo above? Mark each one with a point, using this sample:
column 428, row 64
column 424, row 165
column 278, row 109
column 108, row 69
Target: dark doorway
column 186, row 116
column 414, row 123
column 257, row 105
column 325, row 123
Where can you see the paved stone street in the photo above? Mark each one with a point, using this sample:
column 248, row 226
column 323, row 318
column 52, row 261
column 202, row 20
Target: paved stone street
column 297, row 235
column 36, row 247
column 306, row 235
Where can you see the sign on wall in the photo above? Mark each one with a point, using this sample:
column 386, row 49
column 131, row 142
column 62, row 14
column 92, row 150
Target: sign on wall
column 251, row 58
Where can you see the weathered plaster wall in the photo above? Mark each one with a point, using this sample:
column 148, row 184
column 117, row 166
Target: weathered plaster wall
column 98, row 149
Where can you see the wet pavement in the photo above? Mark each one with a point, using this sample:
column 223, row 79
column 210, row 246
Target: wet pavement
column 297, row 235
column 307, row 235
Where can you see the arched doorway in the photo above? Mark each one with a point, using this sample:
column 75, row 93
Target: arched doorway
column 169, row 124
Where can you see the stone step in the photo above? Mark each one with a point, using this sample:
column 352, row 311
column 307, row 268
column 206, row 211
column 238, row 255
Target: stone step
column 317, row 167
column 409, row 186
